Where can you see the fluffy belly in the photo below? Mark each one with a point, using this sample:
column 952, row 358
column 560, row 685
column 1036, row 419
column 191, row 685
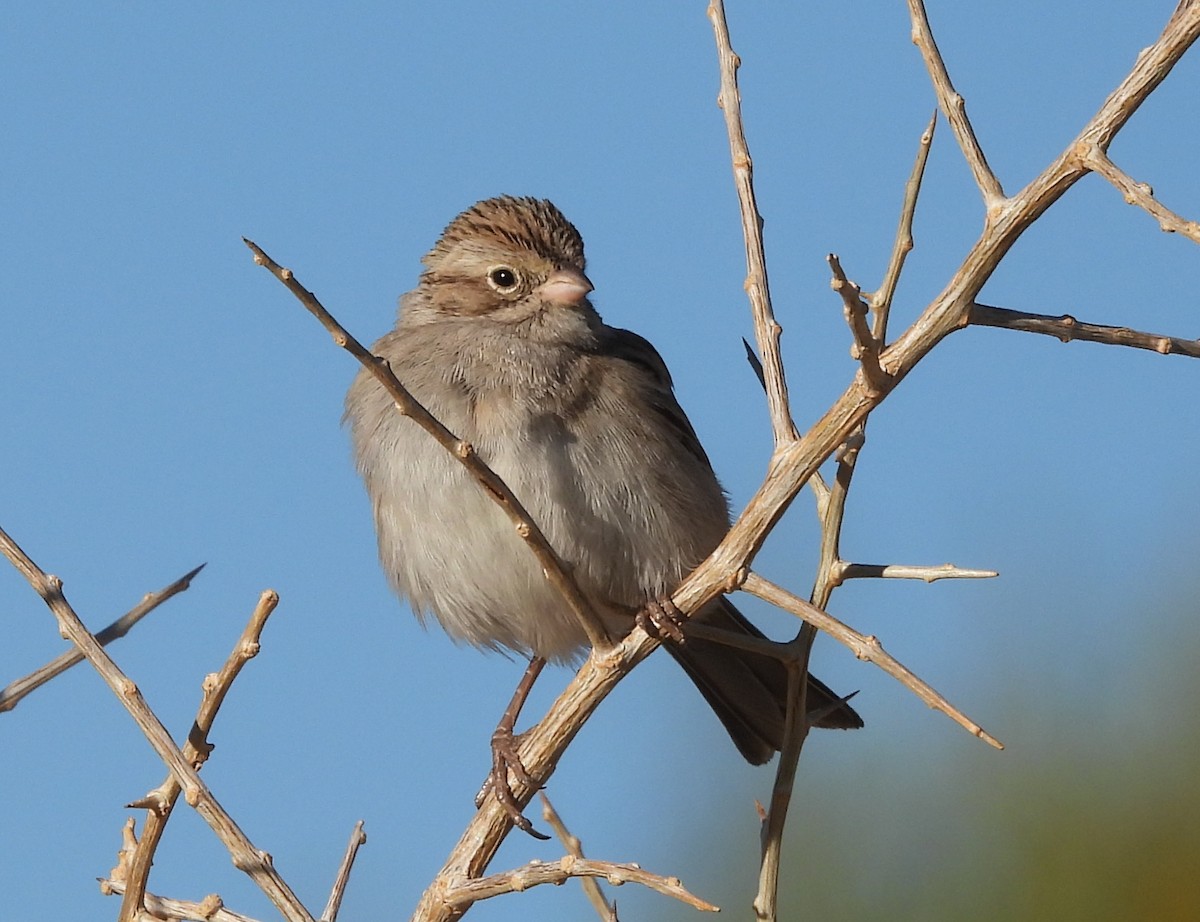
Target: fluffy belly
column 466, row 565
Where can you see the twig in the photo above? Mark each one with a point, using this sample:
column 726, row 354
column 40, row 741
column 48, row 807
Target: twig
column 1139, row 193
column 881, row 299
column 358, row 838
column 865, row 647
column 844, row 570
column 954, row 107
column 1066, row 328
column 257, row 864
column 591, row 887
column 158, row 908
column 766, row 329
column 866, row 346
column 538, row 872
column 161, row 801
column 555, row 569
column 11, row 695
column 796, row 727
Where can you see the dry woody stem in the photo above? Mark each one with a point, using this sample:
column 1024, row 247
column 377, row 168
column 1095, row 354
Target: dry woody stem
column 1066, row 328
column 538, row 872
column 766, row 329
column 160, row 802
column 574, row 847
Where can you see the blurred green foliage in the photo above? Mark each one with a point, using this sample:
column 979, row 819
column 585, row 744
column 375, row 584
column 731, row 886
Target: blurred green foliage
column 1092, row 813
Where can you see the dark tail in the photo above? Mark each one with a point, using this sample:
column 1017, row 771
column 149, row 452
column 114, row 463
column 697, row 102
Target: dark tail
column 748, row 691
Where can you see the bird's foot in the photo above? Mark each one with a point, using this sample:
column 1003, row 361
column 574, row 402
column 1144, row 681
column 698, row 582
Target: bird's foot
column 662, row 619
column 505, row 759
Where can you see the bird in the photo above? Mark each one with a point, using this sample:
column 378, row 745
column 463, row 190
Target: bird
column 500, row 342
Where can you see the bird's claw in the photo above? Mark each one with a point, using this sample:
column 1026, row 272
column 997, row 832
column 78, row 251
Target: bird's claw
column 505, row 759
column 662, row 619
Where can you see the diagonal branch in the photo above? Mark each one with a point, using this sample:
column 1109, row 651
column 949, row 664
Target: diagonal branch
column 358, row 838
column 11, row 695
column 161, row 801
column 954, row 107
column 881, row 298
column 1140, row 194
column 794, row 463
column 158, row 908
column 865, row 647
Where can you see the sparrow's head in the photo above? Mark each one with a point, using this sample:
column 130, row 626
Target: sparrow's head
column 509, row 258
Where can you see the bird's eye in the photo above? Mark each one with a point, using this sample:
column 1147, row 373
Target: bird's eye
column 502, row 278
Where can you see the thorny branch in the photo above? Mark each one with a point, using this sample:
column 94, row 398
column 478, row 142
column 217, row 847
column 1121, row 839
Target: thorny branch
column 574, row 847
column 766, row 329
column 556, row 872
column 161, row 801
column 1067, row 328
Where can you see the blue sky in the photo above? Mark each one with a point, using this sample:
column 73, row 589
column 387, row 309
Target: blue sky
column 167, row 403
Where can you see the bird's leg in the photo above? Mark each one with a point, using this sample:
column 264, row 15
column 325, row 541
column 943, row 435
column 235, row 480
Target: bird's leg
column 660, row 618
column 505, row 757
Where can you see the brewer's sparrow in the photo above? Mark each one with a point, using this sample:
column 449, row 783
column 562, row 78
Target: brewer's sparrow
column 500, row 343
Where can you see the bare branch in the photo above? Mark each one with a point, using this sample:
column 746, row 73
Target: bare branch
column 158, row 908
column 881, row 299
column 796, row 727
column 556, row 571
column 865, row 647
column 766, row 329
column 11, row 695
column 161, row 801
column 1066, row 328
column 866, row 347
column 537, row 872
column 574, row 847
column 256, row 863
column 357, row 839
column 1140, row 194
column 954, row 107
column 844, row 570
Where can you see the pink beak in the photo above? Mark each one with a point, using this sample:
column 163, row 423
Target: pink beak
column 565, row 287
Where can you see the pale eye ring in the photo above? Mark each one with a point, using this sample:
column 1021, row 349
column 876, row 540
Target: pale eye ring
column 503, row 278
